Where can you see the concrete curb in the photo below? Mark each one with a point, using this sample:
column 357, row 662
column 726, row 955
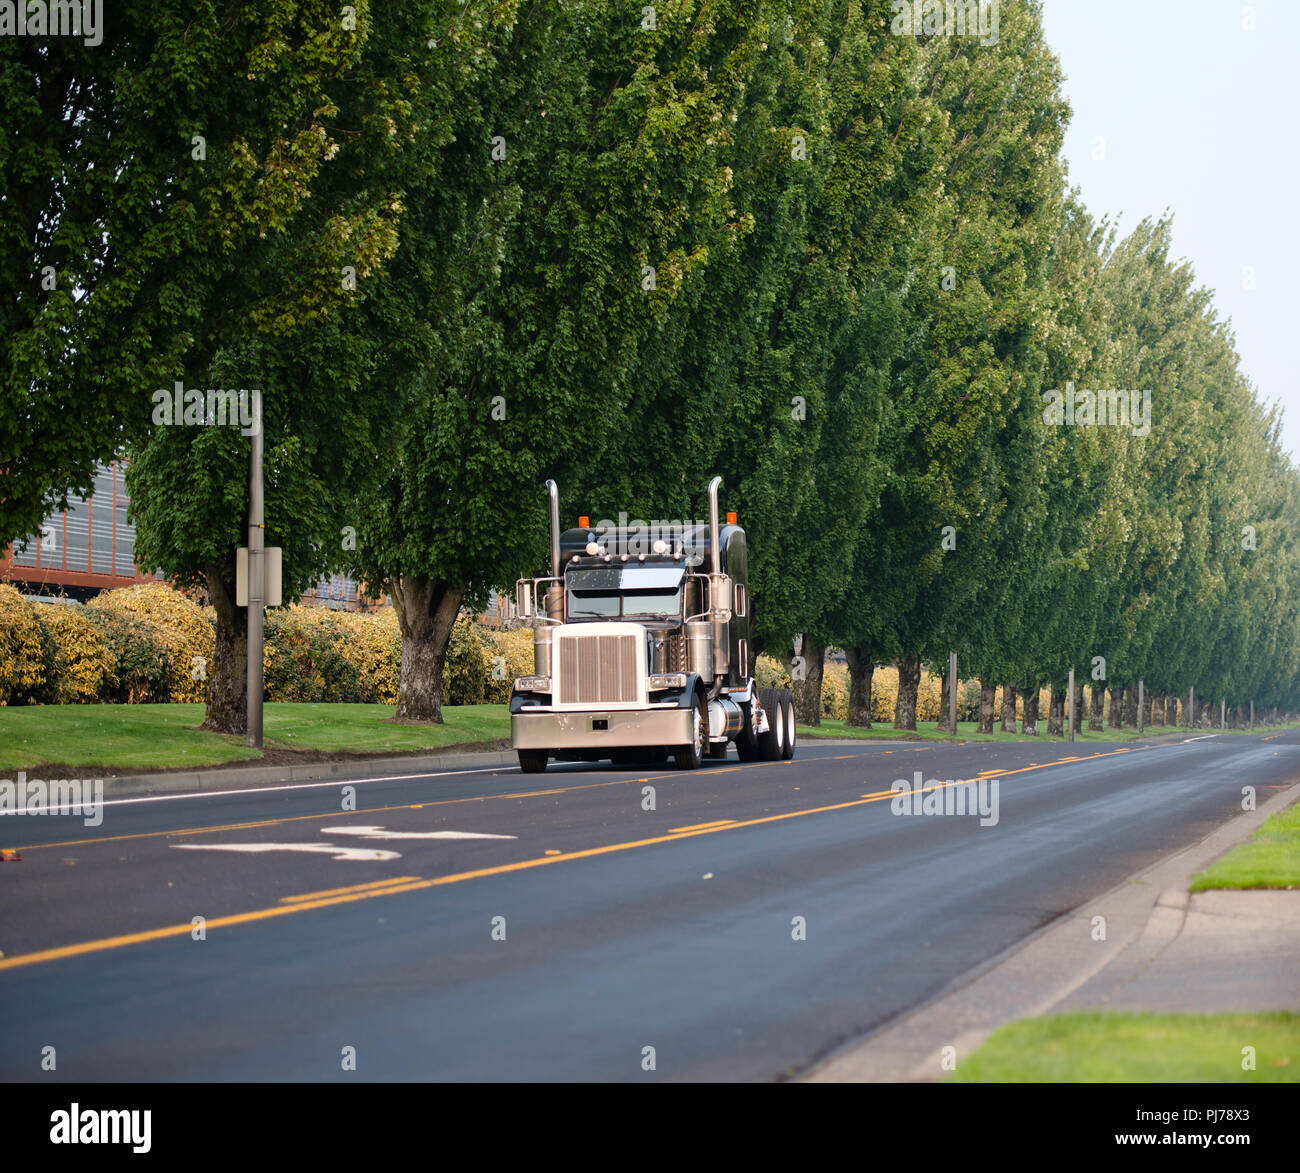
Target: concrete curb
column 238, row 777
column 1036, row 975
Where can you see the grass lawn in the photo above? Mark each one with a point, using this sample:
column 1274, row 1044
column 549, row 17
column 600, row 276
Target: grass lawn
column 966, row 732
column 126, row 737
column 1269, row 859
column 1121, row 1047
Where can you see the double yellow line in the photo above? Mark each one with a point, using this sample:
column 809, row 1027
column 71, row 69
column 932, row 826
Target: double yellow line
column 332, row 897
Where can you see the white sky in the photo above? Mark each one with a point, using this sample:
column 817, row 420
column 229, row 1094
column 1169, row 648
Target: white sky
column 1198, row 114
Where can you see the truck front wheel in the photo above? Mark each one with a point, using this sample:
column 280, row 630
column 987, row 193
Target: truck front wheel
column 691, row 756
column 533, row 761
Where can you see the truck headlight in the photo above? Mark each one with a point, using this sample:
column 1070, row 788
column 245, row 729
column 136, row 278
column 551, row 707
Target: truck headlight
column 669, row 680
column 532, row 684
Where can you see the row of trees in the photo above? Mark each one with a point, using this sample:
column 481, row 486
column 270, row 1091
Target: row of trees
column 460, row 249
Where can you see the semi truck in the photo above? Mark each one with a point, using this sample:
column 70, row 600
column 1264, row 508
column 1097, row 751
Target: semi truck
column 642, row 650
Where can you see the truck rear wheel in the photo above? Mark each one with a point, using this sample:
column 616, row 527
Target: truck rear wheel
column 771, row 745
column 747, row 739
column 533, row 761
column 690, row 757
column 787, row 751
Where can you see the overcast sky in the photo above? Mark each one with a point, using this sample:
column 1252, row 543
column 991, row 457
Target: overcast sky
column 1193, row 111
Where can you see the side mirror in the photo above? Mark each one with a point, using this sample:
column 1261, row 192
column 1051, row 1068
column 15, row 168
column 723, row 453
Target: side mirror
column 524, row 598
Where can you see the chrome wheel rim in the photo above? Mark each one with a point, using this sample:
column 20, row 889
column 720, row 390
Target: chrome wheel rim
column 777, row 721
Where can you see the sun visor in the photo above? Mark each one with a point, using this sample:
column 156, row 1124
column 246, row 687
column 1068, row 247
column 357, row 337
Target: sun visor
column 626, row 578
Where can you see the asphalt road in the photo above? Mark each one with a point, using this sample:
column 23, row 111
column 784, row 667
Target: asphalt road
column 593, row 929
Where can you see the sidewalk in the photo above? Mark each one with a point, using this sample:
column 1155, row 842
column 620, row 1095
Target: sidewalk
column 1213, row 951
column 1165, row 951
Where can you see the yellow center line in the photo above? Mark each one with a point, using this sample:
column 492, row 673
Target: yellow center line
column 350, row 888
column 700, row 826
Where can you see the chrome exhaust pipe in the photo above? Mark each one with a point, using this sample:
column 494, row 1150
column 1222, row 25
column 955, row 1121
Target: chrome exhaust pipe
column 715, row 559
column 555, row 527
column 554, row 595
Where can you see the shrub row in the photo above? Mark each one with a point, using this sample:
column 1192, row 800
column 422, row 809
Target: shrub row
column 151, row 643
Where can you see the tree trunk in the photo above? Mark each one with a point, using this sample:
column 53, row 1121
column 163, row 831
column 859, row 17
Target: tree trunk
column 1029, row 723
column 1116, row 707
column 1131, row 705
column 1096, row 710
column 862, row 669
column 1008, row 708
column 1078, row 707
column 1056, row 712
column 808, row 691
column 426, row 613
column 1171, row 710
column 227, row 706
column 988, row 706
column 909, row 680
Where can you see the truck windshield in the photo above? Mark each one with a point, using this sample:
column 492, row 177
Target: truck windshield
column 625, row 592
column 648, row 604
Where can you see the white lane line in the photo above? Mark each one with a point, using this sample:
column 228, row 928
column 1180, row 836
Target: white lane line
column 381, row 833
column 296, row 786
column 349, row 853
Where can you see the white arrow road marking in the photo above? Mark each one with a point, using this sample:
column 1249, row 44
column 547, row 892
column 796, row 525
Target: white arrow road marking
column 381, row 833
column 352, row 853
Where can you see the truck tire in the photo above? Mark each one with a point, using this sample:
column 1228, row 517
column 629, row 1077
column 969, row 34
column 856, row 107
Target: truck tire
column 787, row 751
column 771, row 745
column 691, row 757
column 533, row 761
column 747, row 739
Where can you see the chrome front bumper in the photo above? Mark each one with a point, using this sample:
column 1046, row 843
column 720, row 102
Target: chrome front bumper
column 624, row 729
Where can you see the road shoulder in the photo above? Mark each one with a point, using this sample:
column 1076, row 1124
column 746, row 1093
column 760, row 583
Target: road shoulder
column 1160, row 946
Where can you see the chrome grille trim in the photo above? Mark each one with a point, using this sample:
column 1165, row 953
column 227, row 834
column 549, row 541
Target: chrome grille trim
column 598, row 669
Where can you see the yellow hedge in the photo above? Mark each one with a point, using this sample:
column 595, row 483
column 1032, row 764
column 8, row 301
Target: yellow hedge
column 22, row 669
column 771, row 673
column 507, row 653
column 82, row 659
column 372, row 643
column 180, row 626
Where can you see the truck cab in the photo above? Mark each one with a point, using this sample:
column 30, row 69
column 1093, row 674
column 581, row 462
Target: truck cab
column 641, row 645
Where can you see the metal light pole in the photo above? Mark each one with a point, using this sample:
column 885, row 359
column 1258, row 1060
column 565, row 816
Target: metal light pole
column 952, row 692
column 1141, row 703
column 1191, row 707
column 1070, row 702
column 256, row 588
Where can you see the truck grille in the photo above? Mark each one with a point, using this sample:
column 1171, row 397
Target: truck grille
column 598, row 670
